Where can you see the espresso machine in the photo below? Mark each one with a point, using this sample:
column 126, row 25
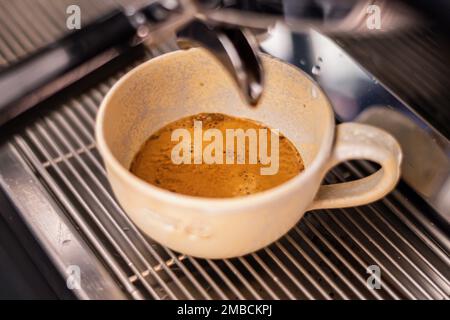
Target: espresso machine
column 384, row 63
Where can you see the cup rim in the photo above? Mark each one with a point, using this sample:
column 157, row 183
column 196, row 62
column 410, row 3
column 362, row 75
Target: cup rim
column 204, row 202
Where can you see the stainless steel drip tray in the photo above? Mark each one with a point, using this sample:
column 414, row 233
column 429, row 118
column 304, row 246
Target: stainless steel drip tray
column 52, row 172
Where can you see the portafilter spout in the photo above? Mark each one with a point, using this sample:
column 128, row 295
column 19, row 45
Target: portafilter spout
column 237, row 51
column 234, row 47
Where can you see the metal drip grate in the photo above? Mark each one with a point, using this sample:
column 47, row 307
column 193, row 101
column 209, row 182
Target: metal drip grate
column 324, row 257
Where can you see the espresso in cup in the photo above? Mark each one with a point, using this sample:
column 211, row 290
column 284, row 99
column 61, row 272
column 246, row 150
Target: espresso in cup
column 216, row 156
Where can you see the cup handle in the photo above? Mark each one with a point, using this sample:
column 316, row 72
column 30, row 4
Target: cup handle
column 360, row 141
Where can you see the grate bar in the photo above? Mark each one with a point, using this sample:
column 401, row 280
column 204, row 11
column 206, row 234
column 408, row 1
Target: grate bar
column 328, row 262
column 303, row 271
column 399, row 251
column 8, row 40
column 22, row 46
column 376, row 260
column 259, row 279
column 54, row 17
column 67, row 156
column 272, row 276
column 419, row 216
column 443, row 255
column 106, row 255
column 188, row 274
column 239, row 275
column 208, row 278
column 405, row 257
column 288, row 273
column 32, row 39
column 381, row 249
column 338, row 255
column 313, row 264
column 42, row 24
column 408, row 276
column 419, row 255
column 84, row 204
column 227, row 281
column 330, row 230
column 417, row 231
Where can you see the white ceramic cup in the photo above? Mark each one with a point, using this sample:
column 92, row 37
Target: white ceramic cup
column 184, row 83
